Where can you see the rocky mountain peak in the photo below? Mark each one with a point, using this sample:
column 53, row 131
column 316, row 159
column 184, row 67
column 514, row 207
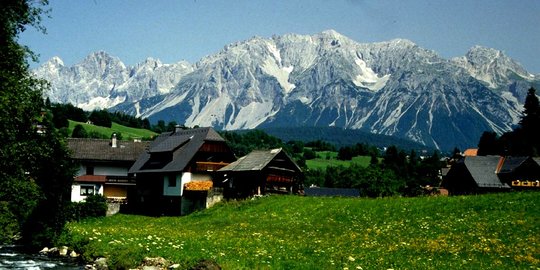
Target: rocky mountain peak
column 55, row 61
column 394, row 88
column 492, row 66
column 331, row 34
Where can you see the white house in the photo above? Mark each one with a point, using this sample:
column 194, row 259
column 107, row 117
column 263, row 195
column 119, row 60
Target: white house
column 103, row 167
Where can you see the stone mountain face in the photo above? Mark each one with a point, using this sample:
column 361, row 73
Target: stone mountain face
column 103, row 81
column 392, row 88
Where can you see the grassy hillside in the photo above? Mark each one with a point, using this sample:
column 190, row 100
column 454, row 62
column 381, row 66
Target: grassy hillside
column 128, row 133
column 328, row 158
column 496, row 231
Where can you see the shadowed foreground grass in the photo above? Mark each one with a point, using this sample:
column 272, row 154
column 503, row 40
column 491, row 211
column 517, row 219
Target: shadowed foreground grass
column 495, row 231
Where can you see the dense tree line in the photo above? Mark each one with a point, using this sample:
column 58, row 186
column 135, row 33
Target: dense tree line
column 100, row 118
column 397, row 174
column 319, row 145
column 161, row 126
column 359, row 149
column 35, row 169
column 64, row 112
column 340, row 137
column 242, row 143
column 523, row 140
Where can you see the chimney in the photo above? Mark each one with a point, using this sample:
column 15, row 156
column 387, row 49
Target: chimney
column 113, row 141
column 177, row 128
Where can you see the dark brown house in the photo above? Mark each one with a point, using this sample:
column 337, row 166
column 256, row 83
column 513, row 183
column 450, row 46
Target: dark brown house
column 520, row 172
column 261, row 172
column 176, row 175
column 481, row 174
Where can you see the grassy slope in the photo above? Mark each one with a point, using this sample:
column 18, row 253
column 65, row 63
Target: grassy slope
column 127, row 132
column 496, row 231
column 322, row 162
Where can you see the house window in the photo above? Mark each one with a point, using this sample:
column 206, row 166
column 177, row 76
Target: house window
column 172, row 181
column 87, row 190
column 89, row 170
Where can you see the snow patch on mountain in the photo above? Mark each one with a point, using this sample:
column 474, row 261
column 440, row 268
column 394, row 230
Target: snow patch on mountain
column 367, row 78
column 280, row 73
column 275, row 68
column 101, row 103
column 137, row 106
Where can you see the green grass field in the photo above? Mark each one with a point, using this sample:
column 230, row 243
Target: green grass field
column 495, row 231
column 128, row 133
column 327, row 158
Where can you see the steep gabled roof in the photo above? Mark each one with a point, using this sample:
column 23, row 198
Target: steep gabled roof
column 180, row 147
column 101, row 150
column 483, row 171
column 258, row 160
column 511, row 163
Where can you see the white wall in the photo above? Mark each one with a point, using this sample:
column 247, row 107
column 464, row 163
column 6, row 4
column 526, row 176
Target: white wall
column 185, row 177
column 105, row 170
column 76, row 191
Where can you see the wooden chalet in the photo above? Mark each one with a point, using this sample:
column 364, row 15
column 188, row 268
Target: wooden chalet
column 103, row 167
column 175, row 176
column 261, row 172
column 481, row 174
column 519, row 172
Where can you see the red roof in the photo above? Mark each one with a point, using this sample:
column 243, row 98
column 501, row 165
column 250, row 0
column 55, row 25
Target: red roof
column 471, row 152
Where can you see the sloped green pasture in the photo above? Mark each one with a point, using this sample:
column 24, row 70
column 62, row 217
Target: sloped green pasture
column 128, row 133
column 494, row 231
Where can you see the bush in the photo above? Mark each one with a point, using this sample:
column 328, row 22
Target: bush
column 309, row 154
column 101, row 118
column 8, row 222
column 79, row 132
column 93, row 206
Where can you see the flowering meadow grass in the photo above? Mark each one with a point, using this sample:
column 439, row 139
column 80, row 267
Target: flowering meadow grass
column 494, row 231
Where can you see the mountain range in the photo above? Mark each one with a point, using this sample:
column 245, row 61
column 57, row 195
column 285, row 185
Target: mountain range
column 393, row 88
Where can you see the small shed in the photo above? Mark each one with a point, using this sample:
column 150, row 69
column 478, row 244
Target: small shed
column 261, row 172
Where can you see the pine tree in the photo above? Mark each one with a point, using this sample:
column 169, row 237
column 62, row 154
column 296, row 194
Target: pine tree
column 489, row 144
column 530, row 124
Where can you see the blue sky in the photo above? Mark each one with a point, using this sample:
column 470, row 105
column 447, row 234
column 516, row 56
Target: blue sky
column 190, row 29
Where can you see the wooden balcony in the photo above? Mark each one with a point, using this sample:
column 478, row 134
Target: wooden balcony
column 209, row 166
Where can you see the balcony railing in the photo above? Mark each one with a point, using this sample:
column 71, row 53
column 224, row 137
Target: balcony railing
column 210, row 166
